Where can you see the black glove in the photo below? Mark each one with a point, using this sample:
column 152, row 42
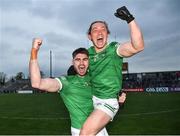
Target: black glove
column 124, row 14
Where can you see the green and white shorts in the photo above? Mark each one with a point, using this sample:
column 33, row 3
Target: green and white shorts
column 109, row 106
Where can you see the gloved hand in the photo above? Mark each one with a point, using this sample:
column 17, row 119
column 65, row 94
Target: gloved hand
column 124, row 14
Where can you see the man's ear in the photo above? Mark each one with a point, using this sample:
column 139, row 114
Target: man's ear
column 89, row 37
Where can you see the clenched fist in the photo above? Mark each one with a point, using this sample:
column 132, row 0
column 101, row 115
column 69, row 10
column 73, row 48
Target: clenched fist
column 35, row 47
column 124, row 14
column 122, row 97
column 36, row 43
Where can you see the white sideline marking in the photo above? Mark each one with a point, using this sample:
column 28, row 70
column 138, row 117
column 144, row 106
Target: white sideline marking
column 150, row 113
column 61, row 118
column 32, row 118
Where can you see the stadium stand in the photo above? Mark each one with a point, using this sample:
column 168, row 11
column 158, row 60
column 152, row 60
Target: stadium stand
column 18, row 85
column 152, row 79
column 168, row 81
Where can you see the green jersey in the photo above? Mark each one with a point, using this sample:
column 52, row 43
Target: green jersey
column 106, row 71
column 77, row 95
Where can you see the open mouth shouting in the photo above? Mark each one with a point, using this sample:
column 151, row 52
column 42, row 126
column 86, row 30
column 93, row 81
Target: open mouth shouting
column 82, row 69
column 100, row 42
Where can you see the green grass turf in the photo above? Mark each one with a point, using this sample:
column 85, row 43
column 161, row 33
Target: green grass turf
column 45, row 114
column 148, row 113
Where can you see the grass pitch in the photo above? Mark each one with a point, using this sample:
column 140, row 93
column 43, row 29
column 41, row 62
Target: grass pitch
column 45, row 114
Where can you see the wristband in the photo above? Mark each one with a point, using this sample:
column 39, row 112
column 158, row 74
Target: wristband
column 34, row 52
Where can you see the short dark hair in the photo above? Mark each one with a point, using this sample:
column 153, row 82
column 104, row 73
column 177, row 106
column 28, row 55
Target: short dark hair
column 80, row 50
column 71, row 71
column 98, row 21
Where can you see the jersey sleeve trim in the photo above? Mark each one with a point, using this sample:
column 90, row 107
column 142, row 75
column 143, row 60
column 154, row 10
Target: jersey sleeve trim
column 60, row 83
column 117, row 49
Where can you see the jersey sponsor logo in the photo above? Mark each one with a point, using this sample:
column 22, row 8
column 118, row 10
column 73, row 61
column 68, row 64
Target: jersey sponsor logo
column 86, row 84
column 98, row 56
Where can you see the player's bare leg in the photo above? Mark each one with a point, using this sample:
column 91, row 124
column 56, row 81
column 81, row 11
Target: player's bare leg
column 94, row 123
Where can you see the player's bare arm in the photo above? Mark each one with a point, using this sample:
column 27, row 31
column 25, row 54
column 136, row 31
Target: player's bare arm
column 47, row 84
column 137, row 43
